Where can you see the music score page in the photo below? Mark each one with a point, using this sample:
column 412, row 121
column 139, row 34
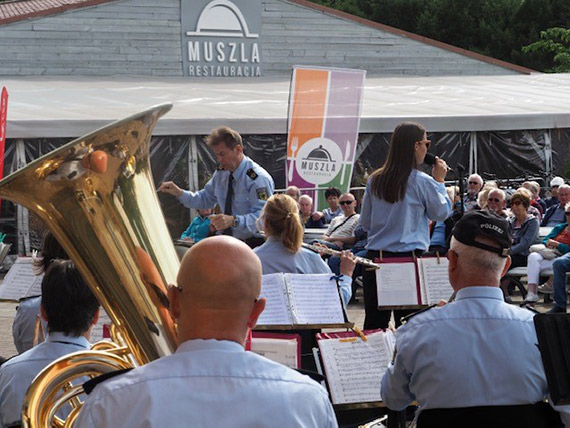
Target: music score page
column 396, row 284
column 277, row 307
column 314, row 299
column 434, row 280
column 21, row 281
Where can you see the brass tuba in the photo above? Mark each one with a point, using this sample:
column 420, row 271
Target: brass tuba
column 96, row 195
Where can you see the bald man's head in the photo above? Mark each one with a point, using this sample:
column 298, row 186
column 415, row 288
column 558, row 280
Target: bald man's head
column 220, row 278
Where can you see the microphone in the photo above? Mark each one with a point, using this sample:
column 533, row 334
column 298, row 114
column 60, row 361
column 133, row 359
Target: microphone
column 430, row 160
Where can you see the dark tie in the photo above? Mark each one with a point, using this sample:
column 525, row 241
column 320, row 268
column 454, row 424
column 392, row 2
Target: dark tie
column 228, row 205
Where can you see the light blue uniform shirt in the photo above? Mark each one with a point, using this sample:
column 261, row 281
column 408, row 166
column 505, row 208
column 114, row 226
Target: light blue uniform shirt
column 17, row 374
column 25, row 323
column 476, row 351
column 248, row 199
column 209, row 383
column 403, row 226
column 276, row 258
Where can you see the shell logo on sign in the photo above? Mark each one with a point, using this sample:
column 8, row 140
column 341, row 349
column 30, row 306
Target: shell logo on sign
column 319, row 160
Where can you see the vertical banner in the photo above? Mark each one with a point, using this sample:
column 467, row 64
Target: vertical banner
column 3, row 118
column 324, row 117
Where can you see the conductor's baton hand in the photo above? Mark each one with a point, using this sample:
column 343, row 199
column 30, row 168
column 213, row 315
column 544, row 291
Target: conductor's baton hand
column 170, row 188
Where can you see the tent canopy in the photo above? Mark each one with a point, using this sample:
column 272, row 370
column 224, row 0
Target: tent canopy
column 42, row 107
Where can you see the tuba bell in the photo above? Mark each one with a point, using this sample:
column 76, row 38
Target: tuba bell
column 96, row 195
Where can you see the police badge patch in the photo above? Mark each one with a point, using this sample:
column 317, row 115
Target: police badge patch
column 252, row 174
column 262, row 193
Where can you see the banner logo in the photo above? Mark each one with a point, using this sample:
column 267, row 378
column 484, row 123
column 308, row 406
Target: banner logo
column 224, row 40
column 319, row 160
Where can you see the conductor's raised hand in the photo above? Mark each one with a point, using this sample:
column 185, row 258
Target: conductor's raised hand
column 347, row 263
column 221, row 221
column 170, row 188
column 439, row 170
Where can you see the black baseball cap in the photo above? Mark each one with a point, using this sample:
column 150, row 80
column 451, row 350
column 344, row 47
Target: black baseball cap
column 484, row 223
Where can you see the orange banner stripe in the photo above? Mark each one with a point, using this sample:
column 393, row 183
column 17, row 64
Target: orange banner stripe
column 309, row 104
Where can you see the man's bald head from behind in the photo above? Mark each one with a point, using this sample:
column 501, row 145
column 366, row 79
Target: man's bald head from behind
column 220, row 278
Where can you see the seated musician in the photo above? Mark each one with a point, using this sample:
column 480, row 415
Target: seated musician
column 70, row 310
column 306, row 212
column 211, row 380
column 339, row 233
column 478, row 350
column 28, row 309
column 282, row 251
column 199, row 227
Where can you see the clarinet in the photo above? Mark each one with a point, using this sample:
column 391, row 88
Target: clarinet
column 360, row 260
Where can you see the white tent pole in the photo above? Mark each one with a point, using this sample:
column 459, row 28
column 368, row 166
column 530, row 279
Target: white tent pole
column 22, row 214
column 547, row 152
column 193, row 181
column 473, row 153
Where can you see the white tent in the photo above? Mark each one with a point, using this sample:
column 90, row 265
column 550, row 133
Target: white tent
column 70, row 107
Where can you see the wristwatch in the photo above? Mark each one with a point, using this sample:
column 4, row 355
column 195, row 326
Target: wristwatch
column 236, row 221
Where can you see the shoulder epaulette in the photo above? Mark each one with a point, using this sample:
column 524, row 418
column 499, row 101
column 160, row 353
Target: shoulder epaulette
column 251, row 174
column 90, row 385
column 410, row 316
column 23, row 299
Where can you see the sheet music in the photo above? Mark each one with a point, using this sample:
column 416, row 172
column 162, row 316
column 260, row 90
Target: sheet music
column 434, row 279
column 283, row 351
column 396, row 284
column 97, row 331
column 277, row 310
column 355, row 368
column 314, row 299
column 20, row 281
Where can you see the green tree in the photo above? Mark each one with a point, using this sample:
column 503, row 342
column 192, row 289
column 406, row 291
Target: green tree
column 556, row 43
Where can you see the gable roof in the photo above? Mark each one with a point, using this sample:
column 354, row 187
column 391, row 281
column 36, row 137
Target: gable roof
column 330, row 11
column 14, row 11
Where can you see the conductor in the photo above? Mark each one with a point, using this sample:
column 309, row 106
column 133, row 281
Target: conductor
column 240, row 187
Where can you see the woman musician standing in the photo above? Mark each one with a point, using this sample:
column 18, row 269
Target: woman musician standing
column 398, row 204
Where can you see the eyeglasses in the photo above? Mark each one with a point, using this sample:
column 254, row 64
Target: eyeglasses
column 426, row 142
column 516, row 202
column 346, row 202
column 473, row 182
column 494, row 200
column 568, row 213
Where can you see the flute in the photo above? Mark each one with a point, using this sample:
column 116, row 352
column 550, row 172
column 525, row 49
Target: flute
column 360, row 260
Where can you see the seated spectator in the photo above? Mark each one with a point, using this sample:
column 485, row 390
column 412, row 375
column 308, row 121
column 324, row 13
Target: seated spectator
column 474, row 186
column 535, row 201
column 463, row 354
column 28, row 310
column 556, row 213
column 332, row 195
column 531, row 210
column 199, row 227
column 294, row 192
column 306, row 210
column 339, row 233
column 555, row 183
column 70, row 310
column 484, row 194
column 558, row 239
column 441, row 231
column 211, row 380
column 524, row 229
column 496, row 202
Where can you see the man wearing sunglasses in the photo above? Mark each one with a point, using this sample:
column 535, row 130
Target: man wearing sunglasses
column 340, row 231
column 474, row 185
column 496, row 202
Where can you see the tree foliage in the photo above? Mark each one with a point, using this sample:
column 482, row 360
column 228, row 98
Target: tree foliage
column 555, row 41
column 497, row 28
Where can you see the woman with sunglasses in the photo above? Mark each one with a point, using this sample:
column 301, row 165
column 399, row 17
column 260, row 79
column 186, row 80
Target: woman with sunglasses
column 398, row 204
column 558, row 239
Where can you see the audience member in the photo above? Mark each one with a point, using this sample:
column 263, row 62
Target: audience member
column 474, row 186
column 70, row 310
column 559, row 240
column 535, row 201
column 556, row 213
column 339, row 233
column 211, row 380
column 524, row 229
column 496, row 202
column 555, row 183
column 440, row 235
column 332, row 195
column 306, row 210
column 294, row 192
column 457, row 356
column 199, row 227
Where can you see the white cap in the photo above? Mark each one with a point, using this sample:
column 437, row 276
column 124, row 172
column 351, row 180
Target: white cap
column 556, row 181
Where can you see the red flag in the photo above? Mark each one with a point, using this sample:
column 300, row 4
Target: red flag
column 3, row 117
